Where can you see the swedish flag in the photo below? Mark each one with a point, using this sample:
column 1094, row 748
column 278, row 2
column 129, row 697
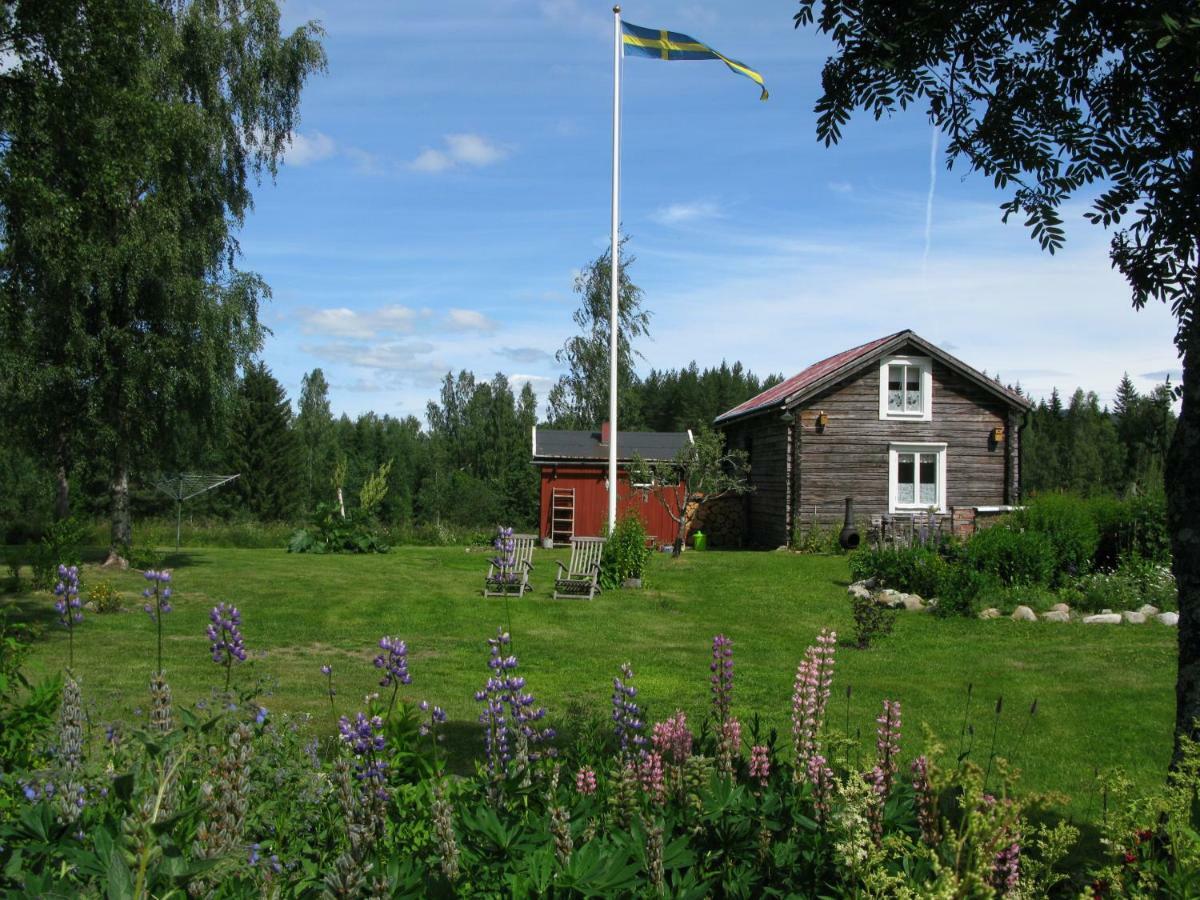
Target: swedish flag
column 638, row 41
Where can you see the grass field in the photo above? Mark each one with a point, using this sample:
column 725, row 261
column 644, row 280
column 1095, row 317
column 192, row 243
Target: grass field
column 1105, row 693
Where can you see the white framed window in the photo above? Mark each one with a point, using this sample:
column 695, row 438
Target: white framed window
column 906, row 388
column 916, row 477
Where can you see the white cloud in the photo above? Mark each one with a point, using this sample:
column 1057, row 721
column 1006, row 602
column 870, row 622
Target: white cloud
column 391, row 356
column 469, row 320
column 349, row 323
column 681, row 213
column 840, row 187
column 463, row 149
column 526, row 355
column 306, row 149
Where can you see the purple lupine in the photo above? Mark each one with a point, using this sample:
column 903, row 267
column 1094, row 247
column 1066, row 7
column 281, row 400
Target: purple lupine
column 363, row 735
column 225, row 638
column 810, row 696
column 158, row 603
column 626, row 715
column 437, row 716
column 330, row 690
column 722, row 676
column 505, row 559
column 394, row 664
column 68, row 606
column 509, row 712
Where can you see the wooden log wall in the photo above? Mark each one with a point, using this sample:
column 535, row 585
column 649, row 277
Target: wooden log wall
column 765, row 438
column 849, row 457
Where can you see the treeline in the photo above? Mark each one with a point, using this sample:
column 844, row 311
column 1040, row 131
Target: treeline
column 467, row 465
column 1089, row 449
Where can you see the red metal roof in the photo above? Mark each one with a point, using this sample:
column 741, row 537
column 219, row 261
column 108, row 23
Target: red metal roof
column 811, row 375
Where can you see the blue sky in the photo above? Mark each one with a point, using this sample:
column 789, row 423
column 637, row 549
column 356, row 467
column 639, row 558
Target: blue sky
column 451, row 174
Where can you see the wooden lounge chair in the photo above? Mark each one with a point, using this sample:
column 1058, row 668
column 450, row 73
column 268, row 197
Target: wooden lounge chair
column 502, row 581
column 581, row 577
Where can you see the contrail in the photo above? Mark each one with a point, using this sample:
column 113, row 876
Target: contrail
column 933, row 149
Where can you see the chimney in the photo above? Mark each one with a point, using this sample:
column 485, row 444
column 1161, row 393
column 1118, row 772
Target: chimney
column 604, row 430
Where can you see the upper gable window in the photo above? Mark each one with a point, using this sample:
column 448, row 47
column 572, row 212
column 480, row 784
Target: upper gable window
column 906, row 388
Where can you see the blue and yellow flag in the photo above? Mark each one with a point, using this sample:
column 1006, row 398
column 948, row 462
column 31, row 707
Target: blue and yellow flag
column 638, row 41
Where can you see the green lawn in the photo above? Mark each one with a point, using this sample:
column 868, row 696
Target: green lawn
column 1105, row 693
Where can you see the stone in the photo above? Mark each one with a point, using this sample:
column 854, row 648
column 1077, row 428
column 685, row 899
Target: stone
column 990, row 613
column 1024, row 614
column 1106, row 612
column 860, row 590
column 890, row 598
column 1108, row 618
column 90, row 606
column 912, row 602
column 1133, row 618
column 1056, row 615
column 1170, row 619
column 1060, row 607
column 1149, row 611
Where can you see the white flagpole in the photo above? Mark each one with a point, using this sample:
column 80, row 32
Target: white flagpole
column 615, row 269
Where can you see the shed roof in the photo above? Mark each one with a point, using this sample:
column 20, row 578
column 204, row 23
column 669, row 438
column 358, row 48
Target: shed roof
column 551, row 446
column 800, row 387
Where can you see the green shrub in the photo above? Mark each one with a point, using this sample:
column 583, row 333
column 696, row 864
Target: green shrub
column 1135, row 582
column 1068, row 525
column 915, row 570
column 104, row 597
column 871, row 620
column 625, row 552
column 59, row 546
column 962, row 589
column 1014, row 557
column 817, row 539
column 1135, row 526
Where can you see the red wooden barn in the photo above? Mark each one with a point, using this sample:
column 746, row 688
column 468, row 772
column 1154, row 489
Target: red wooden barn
column 574, row 476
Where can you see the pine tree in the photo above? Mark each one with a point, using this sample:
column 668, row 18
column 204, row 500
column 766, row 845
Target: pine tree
column 264, row 448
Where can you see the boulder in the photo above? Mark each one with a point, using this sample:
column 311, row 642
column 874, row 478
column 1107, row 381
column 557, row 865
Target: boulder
column 1133, row 618
column 990, row 613
column 1106, row 612
column 1056, row 615
column 890, row 598
column 1060, row 607
column 1149, row 611
column 1024, row 614
column 1107, row 618
column 1170, row 619
column 912, row 602
column 860, row 590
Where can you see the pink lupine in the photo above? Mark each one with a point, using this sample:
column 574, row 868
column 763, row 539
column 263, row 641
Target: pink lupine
column 729, row 742
column 722, row 676
column 927, row 817
column 673, row 739
column 1006, row 869
column 810, row 696
column 650, row 772
column 820, row 776
column 887, row 754
column 585, row 780
column 760, row 764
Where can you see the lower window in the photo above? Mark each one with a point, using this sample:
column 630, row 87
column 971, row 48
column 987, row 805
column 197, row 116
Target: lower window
column 916, row 477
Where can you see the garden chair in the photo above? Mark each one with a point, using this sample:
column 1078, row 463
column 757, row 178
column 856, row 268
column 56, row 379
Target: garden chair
column 581, row 577
column 506, row 581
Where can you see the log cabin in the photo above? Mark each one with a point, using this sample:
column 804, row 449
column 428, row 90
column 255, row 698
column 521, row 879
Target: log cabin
column 897, row 424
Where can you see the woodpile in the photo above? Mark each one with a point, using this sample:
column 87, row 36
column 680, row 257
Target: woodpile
column 723, row 521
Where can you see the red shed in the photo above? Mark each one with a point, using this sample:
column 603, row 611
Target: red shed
column 574, row 475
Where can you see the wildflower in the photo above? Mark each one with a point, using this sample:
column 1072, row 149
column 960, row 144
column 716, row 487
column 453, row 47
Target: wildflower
column 760, row 764
column 394, row 664
column 443, row 828
column 68, row 606
column 326, row 669
column 161, row 594
column 650, row 772
column 437, row 716
column 927, row 816
column 1006, row 868
column 509, row 711
column 673, row 739
column 729, row 741
column 161, row 710
column 887, row 751
column 810, row 696
column 722, row 676
column 224, row 796
column 626, row 714
column 225, row 638
column 820, row 776
column 261, row 716
column 585, row 780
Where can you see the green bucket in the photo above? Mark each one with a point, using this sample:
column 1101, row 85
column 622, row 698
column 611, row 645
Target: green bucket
column 699, row 541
